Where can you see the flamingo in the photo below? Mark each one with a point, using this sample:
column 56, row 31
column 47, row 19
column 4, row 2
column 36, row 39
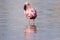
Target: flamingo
column 29, row 12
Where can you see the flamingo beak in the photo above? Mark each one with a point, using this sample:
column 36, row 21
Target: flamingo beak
column 27, row 3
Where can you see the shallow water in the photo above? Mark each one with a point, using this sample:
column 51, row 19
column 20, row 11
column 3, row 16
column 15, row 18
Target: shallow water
column 13, row 21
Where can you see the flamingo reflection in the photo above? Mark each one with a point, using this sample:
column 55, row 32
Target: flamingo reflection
column 29, row 32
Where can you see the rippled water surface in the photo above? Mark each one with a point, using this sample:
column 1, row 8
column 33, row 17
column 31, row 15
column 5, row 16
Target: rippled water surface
column 14, row 25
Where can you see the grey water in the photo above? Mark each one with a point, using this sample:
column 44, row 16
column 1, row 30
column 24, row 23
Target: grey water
column 13, row 21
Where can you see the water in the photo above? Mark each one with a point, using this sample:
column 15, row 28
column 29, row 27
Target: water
column 13, row 21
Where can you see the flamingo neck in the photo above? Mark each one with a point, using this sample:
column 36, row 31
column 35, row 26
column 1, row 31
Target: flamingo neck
column 27, row 7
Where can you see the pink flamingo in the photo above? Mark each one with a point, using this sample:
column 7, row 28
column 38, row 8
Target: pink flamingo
column 29, row 12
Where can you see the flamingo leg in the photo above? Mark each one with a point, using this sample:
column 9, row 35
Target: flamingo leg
column 33, row 22
column 29, row 21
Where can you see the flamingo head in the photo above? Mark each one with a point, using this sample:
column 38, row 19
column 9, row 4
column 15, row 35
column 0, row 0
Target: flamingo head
column 26, row 5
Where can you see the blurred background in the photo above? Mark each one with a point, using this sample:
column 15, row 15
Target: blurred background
column 13, row 22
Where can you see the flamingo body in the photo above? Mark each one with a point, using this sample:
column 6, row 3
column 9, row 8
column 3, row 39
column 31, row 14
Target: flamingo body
column 30, row 13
